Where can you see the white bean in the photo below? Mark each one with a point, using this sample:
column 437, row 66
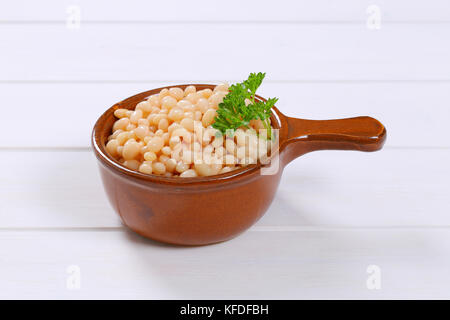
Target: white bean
column 131, row 164
column 208, row 117
column 170, row 133
column 177, row 93
column 188, row 174
column 183, row 133
column 146, row 167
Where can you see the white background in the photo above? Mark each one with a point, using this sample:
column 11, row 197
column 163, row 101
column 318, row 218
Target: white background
column 335, row 214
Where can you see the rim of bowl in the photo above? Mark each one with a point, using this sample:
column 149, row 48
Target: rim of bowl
column 129, row 103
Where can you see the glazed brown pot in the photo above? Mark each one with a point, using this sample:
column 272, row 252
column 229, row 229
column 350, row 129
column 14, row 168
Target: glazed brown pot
column 204, row 210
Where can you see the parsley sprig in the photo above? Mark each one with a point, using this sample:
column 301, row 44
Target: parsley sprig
column 233, row 113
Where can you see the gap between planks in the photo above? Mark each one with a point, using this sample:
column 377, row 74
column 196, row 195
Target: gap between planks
column 220, row 22
column 223, row 22
column 89, row 149
column 252, row 229
column 184, row 81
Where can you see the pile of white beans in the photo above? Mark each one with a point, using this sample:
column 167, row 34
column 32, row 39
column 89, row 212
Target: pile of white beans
column 170, row 134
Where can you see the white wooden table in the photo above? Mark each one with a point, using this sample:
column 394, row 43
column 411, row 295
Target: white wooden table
column 341, row 223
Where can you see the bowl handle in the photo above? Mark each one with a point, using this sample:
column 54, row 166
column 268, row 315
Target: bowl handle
column 360, row 133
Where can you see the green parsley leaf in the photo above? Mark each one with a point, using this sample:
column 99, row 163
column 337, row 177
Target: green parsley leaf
column 233, row 112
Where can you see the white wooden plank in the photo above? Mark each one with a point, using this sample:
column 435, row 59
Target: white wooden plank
column 234, row 10
column 213, row 52
column 406, row 188
column 415, row 114
column 387, row 188
column 53, row 189
column 257, row 265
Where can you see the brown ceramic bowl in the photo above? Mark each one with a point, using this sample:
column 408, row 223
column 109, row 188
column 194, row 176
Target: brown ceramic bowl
column 204, row 210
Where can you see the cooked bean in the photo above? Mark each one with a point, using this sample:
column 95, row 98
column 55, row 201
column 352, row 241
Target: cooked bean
column 175, row 140
column 221, row 87
column 163, row 124
column 176, row 114
column 192, row 97
column 241, row 137
column 111, row 147
column 181, row 167
column 130, row 127
column 154, row 100
column 188, row 174
column 188, row 124
column 170, row 134
column 150, row 156
column 189, row 115
column 141, row 132
column 130, row 150
column 226, row 169
column 163, row 159
column 204, row 169
column 173, row 126
column 143, row 122
column 229, row 159
column 155, row 144
column 163, row 93
column 166, row 151
column 183, row 104
column 120, row 113
column 198, row 115
column 208, row 134
column 168, row 102
column 135, row 116
column 156, row 119
column 217, row 98
column 145, row 106
column 206, row 93
column 121, row 124
column 240, row 152
column 158, row 167
column 119, row 151
column 183, row 133
column 171, row 165
column 123, row 137
column 218, row 140
column 146, row 167
column 257, row 124
column 230, row 146
column 208, row 117
column 177, row 93
column 220, row 152
column 116, row 133
column 189, row 89
column 187, row 157
column 202, row 105
column 166, row 138
column 132, row 164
